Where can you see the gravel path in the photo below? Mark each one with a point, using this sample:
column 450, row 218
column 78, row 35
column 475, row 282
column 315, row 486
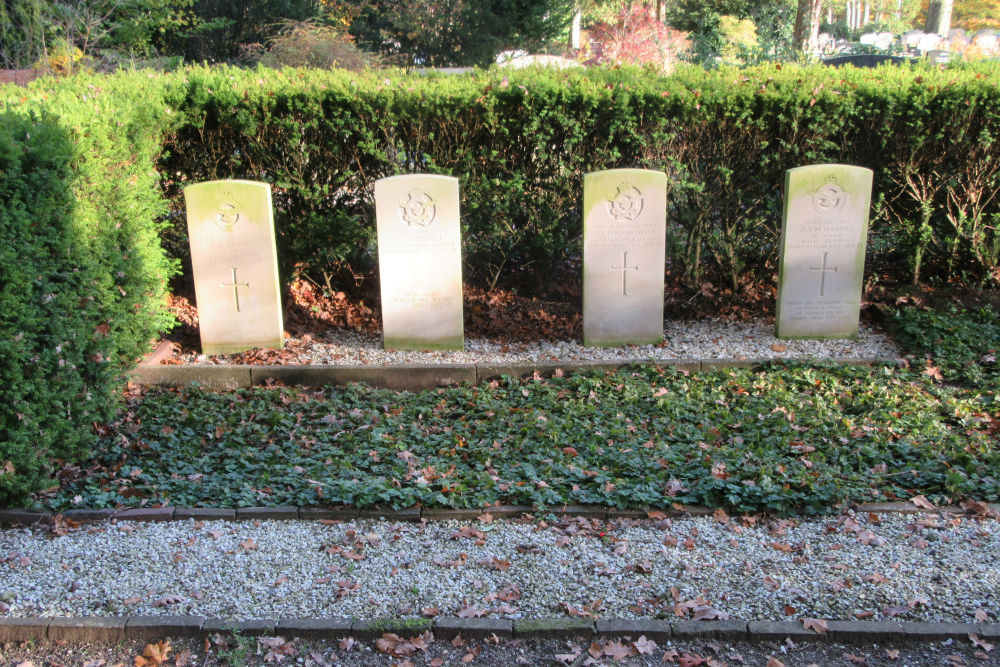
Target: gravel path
column 683, row 340
column 928, row 567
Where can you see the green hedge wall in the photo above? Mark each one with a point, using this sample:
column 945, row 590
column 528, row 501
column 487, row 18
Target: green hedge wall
column 82, row 273
column 91, row 170
column 520, row 143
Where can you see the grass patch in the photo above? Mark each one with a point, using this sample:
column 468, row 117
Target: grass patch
column 779, row 439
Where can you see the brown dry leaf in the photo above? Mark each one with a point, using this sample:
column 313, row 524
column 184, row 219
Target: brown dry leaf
column 347, row 644
column 720, row 516
column 982, row 616
column 774, row 662
column 437, row 662
column 976, row 641
column 856, row 659
column 595, row 651
column 618, row 650
column 644, row 646
column 154, row 655
column 892, row 653
column 704, row 612
column 781, row 546
column 430, row 611
column 778, row 347
column 688, row 660
column 471, row 612
column 921, row 501
column 183, row 658
column 457, row 641
column 468, row 657
column 501, row 564
column 248, row 544
column 817, row 625
column 167, row 600
column 670, row 655
column 895, row 611
column 564, row 658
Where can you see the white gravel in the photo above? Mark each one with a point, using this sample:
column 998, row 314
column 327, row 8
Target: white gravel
column 696, row 339
column 929, row 567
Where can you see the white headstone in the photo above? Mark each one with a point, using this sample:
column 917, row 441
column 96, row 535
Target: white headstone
column 624, row 236
column 912, row 38
column 233, row 255
column 824, row 234
column 884, row 40
column 420, row 262
column 868, row 38
column 929, row 41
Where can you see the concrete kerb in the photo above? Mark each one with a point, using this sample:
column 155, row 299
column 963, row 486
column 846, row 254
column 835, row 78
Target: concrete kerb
column 111, row 629
column 415, row 377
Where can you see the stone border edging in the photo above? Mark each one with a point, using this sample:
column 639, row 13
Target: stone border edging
column 14, row 517
column 113, row 629
column 416, row 377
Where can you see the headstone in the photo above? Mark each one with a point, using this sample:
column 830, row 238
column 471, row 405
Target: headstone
column 939, row 56
column 233, row 255
column 868, row 38
column 624, row 237
column 420, row 262
column 885, row 40
column 929, row 41
column 864, row 60
column 987, row 41
column 824, row 234
column 912, row 38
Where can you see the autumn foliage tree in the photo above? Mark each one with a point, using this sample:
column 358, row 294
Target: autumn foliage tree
column 636, row 38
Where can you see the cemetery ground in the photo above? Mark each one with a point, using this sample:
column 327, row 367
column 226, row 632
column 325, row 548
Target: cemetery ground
column 762, row 448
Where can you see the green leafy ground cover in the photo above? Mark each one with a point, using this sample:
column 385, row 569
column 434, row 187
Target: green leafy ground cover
column 960, row 344
column 780, row 439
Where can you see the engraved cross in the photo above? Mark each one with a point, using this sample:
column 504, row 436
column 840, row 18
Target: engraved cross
column 236, row 289
column 623, row 268
column 822, row 275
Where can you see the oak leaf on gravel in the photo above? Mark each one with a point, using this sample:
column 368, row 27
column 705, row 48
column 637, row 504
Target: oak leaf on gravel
column 618, row 650
column 644, row 646
column 688, row 660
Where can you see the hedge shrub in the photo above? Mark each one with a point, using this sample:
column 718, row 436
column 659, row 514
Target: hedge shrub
column 82, row 273
column 521, row 141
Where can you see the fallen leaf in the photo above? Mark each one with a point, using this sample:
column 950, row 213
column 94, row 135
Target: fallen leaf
column 774, row 662
column 154, row 654
column 688, row 660
column 976, row 641
column 248, row 544
column 817, row 625
column 892, row 653
column 778, row 347
column 921, row 501
column 437, row 662
column 644, row 646
column 618, row 650
column 184, row 658
column 347, row 644
column 97, row 662
column 168, row 600
column 982, row 616
column 856, row 659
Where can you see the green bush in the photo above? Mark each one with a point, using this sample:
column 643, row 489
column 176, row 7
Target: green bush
column 520, row 142
column 82, row 274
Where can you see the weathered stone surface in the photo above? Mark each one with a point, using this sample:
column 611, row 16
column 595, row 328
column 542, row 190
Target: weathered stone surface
column 404, row 627
column 410, row 377
column 450, row 514
column 145, row 514
column 863, row 632
column 205, row 514
column 448, row 627
column 634, row 628
column 23, row 629
column 779, row 630
column 212, row 378
column 328, row 513
column 314, row 628
column 824, row 235
column 280, row 513
column 939, row 631
column 89, row 514
column 553, row 628
column 149, row 628
column 420, row 262
column 624, row 237
column 235, row 264
column 389, row 514
column 721, row 629
column 105, row 629
column 22, row 517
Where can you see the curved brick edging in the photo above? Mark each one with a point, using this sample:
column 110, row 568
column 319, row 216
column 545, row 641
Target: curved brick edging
column 13, row 517
column 112, row 629
column 416, row 377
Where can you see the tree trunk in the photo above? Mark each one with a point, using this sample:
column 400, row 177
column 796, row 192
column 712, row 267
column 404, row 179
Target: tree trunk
column 807, row 20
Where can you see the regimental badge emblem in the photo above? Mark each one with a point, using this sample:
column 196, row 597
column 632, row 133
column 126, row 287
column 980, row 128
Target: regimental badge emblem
column 228, row 212
column 418, row 209
column 830, row 197
column 626, row 204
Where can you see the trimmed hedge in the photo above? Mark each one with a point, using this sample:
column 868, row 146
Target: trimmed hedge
column 88, row 164
column 82, row 273
column 521, row 141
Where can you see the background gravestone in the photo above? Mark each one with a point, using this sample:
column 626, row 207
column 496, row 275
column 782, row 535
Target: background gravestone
column 420, row 262
column 231, row 232
column 824, row 234
column 624, row 230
